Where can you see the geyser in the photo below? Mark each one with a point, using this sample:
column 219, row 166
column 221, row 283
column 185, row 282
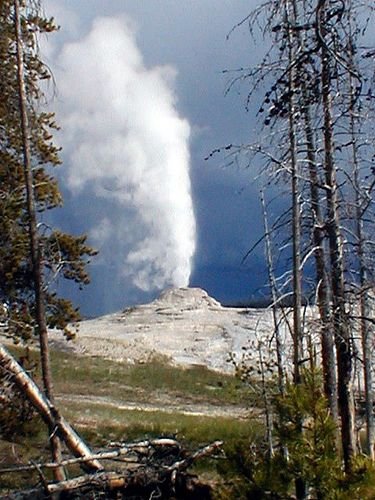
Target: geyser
column 126, row 144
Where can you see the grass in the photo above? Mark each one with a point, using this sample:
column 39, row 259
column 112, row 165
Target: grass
column 130, row 425
column 121, row 382
column 96, row 376
column 23, row 450
column 139, row 380
column 85, row 376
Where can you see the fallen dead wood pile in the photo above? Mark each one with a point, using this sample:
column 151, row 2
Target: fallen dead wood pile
column 146, row 469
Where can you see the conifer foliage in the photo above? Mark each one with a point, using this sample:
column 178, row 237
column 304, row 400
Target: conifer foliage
column 60, row 254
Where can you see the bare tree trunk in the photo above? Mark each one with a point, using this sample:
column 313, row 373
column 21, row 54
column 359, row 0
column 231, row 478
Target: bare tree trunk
column 296, row 214
column 323, row 291
column 33, row 236
column 290, row 19
column 266, row 401
column 272, row 283
column 367, row 330
column 46, row 410
column 366, row 304
column 340, row 319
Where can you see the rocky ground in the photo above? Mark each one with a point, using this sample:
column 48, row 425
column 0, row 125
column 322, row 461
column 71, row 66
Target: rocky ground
column 185, row 325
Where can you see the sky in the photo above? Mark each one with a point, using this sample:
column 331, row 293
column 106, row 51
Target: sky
column 140, row 95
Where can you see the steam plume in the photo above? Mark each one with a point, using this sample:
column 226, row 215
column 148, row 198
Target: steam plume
column 126, row 144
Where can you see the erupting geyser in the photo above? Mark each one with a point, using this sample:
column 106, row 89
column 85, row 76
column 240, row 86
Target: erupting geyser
column 125, row 143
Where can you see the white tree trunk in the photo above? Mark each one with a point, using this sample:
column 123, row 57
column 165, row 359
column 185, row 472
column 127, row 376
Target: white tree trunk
column 46, row 410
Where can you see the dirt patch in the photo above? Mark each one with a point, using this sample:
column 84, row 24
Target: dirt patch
column 164, row 404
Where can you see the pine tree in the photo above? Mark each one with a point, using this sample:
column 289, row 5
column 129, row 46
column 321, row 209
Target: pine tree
column 61, row 254
column 28, row 189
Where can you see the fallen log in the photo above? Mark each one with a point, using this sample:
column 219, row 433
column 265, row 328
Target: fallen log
column 113, row 486
column 129, row 453
column 158, row 477
column 47, row 411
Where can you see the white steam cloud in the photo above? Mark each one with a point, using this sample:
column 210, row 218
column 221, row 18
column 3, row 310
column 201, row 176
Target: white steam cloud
column 125, row 142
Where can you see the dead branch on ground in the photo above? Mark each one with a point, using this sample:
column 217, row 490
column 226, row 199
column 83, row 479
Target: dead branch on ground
column 155, row 468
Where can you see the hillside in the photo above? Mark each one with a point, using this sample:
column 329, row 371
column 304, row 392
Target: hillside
column 185, row 325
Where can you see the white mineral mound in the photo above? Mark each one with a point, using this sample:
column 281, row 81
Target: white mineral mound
column 186, row 299
column 185, row 324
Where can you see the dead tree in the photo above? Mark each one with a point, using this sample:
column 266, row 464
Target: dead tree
column 149, row 469
column 362, row 203
column 56, row 423
column 323, row 291
column 273, row 288
column 290, row 18
column 339, row 316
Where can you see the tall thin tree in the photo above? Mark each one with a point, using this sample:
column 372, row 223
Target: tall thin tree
column 34, row 241
column 339, row 316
